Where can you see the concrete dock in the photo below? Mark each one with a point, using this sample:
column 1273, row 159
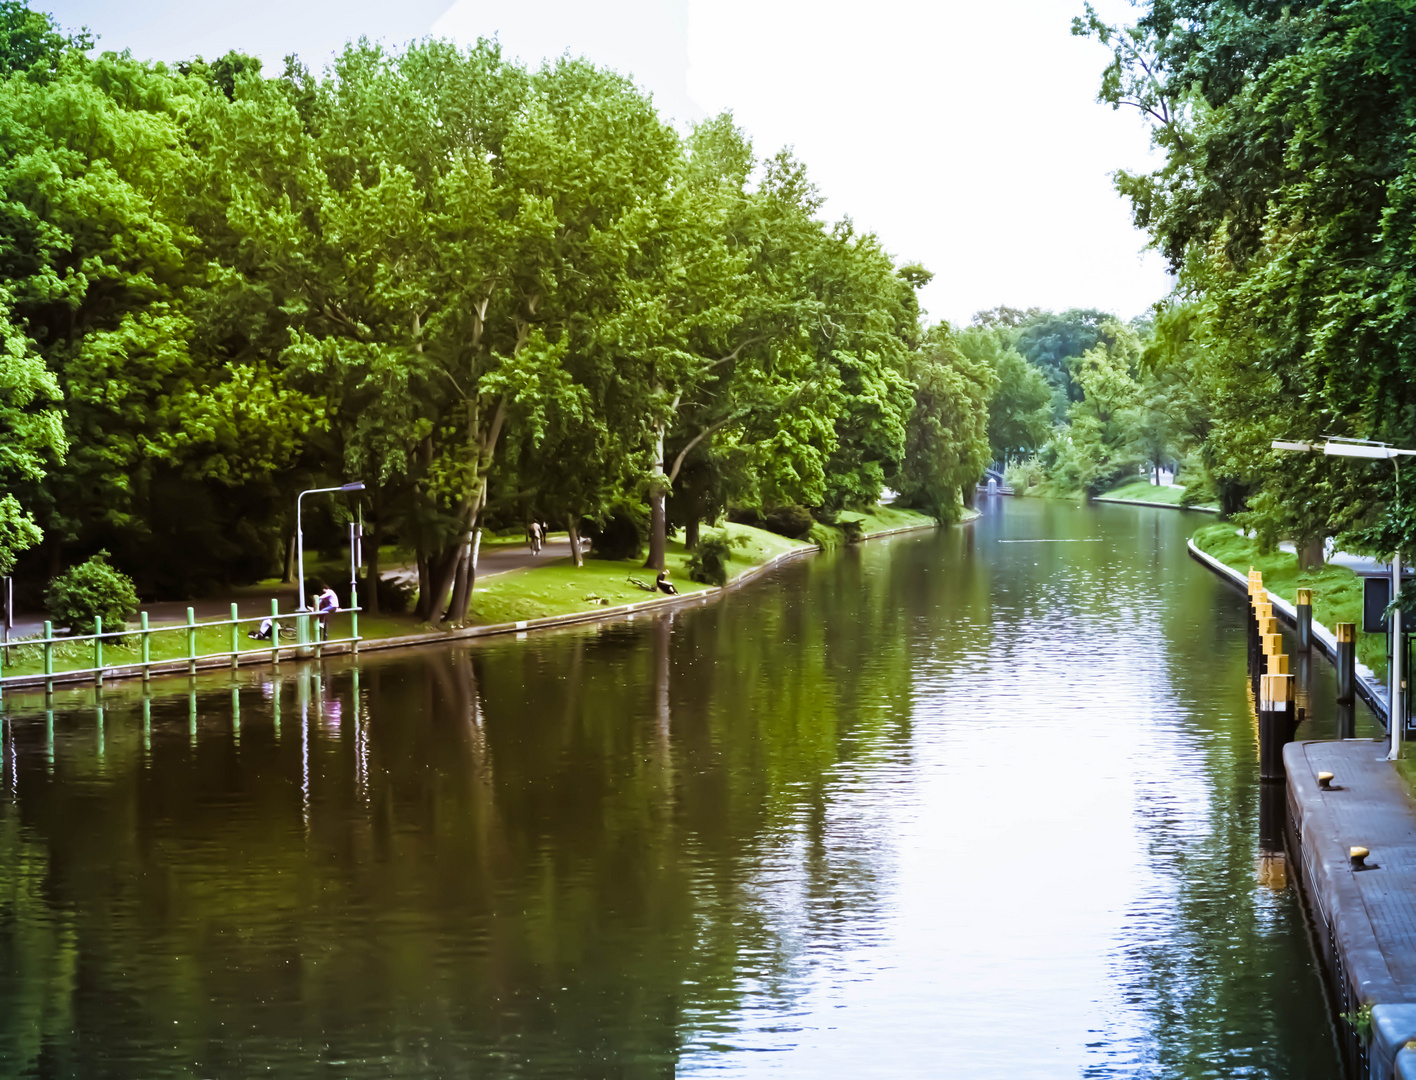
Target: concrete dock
column 1365, row 919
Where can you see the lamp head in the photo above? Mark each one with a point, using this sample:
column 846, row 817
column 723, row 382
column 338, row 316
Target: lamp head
column 358, row 485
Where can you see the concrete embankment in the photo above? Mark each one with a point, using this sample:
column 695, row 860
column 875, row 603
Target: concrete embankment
column 1363, row 911
column 1364, row 917
column 1158, row 505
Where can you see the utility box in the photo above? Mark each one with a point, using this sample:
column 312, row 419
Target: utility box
column 1376, row 595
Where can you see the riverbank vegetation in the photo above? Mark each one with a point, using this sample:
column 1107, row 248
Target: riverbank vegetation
column 1337, row 591
column 1087, row 403
column 494, row 295
column 1284, row 204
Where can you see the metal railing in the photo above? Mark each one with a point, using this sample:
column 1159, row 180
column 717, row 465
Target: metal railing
column 305, row 644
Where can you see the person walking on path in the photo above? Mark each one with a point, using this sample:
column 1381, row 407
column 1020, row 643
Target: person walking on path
column 533, row 533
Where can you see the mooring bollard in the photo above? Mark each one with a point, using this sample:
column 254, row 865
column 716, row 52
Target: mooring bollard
column 1304, row 608
column 1275, row 724
column 1346, row 662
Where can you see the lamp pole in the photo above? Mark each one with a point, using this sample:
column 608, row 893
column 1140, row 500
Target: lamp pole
column 1396, row 692
column 357, row 485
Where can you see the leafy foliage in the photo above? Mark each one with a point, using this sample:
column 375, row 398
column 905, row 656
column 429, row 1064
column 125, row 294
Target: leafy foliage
column 709, row 561
column 91, row 589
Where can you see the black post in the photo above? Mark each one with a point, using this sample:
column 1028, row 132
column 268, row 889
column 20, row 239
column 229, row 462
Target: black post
column 1304, row 608
column 1346, row 720
column 1275, row 724
column 1346, row 662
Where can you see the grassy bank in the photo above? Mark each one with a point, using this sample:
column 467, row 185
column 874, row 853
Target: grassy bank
column 561, row 588
column 1337, row 591
column 1145, row 491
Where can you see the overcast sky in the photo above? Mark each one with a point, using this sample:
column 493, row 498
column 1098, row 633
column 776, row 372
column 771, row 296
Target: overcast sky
column 965, row 134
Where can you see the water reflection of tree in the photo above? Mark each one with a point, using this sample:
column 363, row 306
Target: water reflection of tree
column 566, row 854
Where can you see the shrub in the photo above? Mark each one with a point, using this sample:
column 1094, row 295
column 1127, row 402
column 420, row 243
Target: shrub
column 826, row 537
column 745, row 515
column 788, row 520
column 709, row 561
column 622, row 535
column 91, row 589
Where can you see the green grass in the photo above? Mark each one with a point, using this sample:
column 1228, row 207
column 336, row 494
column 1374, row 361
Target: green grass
column 883, row 518
column 1145, row 491
column 1337, row 591
column 560, row 587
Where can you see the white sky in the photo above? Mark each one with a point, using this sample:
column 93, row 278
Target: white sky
column 965, row 134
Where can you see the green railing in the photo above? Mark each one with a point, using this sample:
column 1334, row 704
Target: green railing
column 306, row 643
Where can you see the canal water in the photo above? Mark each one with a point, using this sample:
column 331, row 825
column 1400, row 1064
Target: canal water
column 976, row 803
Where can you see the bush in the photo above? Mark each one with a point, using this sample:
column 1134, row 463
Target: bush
column 745, row 515
column 789, row 520
column 91, row 590
column 709, row 561
column 622, row 535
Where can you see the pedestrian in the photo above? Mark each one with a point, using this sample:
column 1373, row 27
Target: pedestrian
column 533, row 531
column 326, row 604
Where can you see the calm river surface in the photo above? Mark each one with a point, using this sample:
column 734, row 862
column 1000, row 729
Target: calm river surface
column 976, row 803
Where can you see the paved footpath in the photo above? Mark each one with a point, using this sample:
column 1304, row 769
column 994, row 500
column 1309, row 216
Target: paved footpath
column 1366, row 919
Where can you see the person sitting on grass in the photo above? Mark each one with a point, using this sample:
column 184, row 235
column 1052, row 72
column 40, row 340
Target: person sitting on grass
column 664, row 584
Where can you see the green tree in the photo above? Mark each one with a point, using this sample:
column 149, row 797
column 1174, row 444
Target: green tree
column 946, row 446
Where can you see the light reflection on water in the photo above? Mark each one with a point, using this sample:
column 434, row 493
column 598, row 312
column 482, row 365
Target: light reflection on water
column 947, row 805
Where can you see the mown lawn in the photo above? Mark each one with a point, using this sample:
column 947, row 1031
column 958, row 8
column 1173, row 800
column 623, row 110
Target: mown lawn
column 1145, row 491
column 1337, row 591
column 560, row 587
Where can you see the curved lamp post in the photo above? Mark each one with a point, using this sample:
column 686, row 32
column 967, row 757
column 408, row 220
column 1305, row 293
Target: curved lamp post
column 1361, row 448
column 357, row 485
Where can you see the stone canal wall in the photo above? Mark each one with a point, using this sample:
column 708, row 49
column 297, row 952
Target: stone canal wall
column 1364, row 918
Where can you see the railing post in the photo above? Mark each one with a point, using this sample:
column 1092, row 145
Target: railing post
column 235, row 641
column 147, row 648
column 1304, row 608
column 275, row 631
column 354, row 616
column 48, row 658
column 98, row 650
column 191, row 641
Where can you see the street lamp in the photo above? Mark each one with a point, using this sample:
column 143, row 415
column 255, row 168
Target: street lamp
column 357, row 485
column 1376, row 451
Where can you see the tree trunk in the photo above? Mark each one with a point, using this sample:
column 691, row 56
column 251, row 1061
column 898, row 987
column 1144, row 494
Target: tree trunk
column 690, row 532
column 572, row 526
column 288, row 575
column 657, row 522
column 371, row 602
column 657, row 528
column 425, row 586
column 462, row 587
